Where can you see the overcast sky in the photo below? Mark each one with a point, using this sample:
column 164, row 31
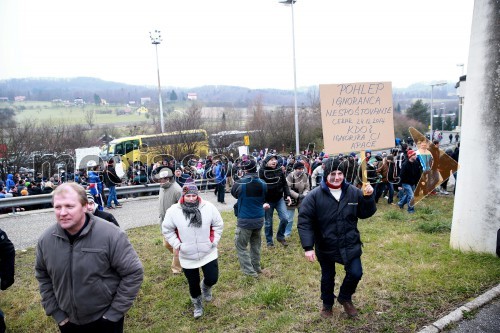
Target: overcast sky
column 235, row 42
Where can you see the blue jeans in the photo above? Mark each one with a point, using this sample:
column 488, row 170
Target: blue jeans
column 407, row 197
column 112, row 196
column 354, row 272
column 280, row 207
column 289, row 225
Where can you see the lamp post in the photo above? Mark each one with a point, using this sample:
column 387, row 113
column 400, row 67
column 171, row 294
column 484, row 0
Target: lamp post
column 297, row 149
column 432, row 102
column 155, row 40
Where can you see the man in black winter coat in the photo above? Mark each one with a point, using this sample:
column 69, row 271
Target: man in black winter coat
column 111, row 179
column 93, row 209
column 410, row 175
column 277, row 192
column 7, row 262
column 328, row 230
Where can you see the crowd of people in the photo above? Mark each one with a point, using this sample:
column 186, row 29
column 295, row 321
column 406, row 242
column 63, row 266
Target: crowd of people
column 330, row 194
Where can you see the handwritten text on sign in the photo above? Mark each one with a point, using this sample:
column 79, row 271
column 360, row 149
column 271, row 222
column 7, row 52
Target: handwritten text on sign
column 357, row 116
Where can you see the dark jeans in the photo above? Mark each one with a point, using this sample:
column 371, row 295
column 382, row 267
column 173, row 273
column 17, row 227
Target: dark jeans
column 381, row 187
column 98, row 326
column 210, row 277
column 2, row 322
column 353, row 270
column 221, row 191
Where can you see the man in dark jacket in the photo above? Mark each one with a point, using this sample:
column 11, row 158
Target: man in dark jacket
column 410, row 175
column 250, row 191
column 277, row 191
column 111, row 179
column 7, row 263
column 93, row 209
column 328, row 229
column 88, row 272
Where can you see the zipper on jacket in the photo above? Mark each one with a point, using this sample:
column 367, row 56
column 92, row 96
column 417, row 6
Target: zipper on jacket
column 75, row 310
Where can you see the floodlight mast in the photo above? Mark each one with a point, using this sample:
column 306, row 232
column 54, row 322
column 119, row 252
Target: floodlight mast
column 155, row 40
column 296, row 113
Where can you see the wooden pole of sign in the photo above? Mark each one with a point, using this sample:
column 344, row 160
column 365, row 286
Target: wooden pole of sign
column 364, row 172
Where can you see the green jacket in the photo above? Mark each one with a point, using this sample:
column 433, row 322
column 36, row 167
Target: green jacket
column 98, row 275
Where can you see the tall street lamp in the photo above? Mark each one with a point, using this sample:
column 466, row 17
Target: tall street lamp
column 432, row 102
column 155, row 40
column 297, row 149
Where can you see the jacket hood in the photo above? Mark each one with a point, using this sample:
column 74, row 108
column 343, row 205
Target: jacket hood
column 10, row 176
column 268, row 158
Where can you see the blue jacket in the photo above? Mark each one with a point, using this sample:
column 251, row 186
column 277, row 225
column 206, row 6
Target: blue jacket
column 251, row 194
column 10, row 182
column 220, row 174
column 331, row 226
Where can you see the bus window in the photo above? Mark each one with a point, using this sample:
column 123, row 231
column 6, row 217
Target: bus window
column 119, row 149
column 129, row 146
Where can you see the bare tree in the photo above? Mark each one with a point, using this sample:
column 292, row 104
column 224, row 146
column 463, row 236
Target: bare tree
column 90, row 117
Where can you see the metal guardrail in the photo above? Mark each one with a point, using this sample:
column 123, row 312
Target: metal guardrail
column 41, row 199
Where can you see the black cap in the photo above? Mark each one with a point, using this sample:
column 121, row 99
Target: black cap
column 298, row 165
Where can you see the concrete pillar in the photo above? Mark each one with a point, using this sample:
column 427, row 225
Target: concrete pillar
column 476, row 214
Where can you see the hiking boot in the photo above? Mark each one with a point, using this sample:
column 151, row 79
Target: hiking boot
column 349, row 308
column 283, row 242
column 326, row 312
column 198, row 307
column 206, row 291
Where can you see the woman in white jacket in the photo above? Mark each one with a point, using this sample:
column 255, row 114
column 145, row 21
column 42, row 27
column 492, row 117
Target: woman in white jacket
column 194, row 227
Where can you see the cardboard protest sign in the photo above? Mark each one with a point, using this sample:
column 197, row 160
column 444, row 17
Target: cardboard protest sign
column 357, row 116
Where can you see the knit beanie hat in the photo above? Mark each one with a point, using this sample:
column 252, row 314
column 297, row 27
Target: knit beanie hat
column 249, row 165
column 189, row 189
column 411, row 153
column 90, row 198
column 334, row 164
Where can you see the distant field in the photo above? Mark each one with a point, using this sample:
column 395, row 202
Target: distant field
column 44, row 111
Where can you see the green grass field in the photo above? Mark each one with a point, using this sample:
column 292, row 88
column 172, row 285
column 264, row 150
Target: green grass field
column 71, row 115
column 411, row 278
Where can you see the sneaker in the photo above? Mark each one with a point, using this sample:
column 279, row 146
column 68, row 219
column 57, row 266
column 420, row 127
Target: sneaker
column 110, row 207
column 349, row 308
column 270, row 245
column 386, row 197
column 444, row 192
column 326, row 312
column 118, row 206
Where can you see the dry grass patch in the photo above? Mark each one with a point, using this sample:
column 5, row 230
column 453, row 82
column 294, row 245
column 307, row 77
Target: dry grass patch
column 411, row 278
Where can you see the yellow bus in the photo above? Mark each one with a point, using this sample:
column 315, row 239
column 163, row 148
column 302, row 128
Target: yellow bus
column 153, row 148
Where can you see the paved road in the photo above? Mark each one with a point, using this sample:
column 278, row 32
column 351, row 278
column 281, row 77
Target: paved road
column 487, row 320
column 25, row 228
